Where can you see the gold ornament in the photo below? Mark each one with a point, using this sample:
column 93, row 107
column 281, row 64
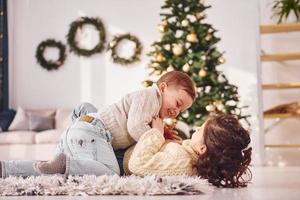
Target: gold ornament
column 155, row 64
column 221, row 79
column 219, row 105
column 202, row 73
column 167, row 47
column 186, row 67
column 203, row 57
column 208, row 37
column 160, row 58
column 177, row 49
column 170, row 68
column 221, row 60
column 198, row 15
column 162, row 28
column 192, row 37
column 164, row 23
column 184, row 23
column 210, row 108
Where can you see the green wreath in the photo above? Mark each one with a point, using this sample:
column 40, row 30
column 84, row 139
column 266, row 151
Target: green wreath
column 124, row 61
column 50, row 64
column 78, row 25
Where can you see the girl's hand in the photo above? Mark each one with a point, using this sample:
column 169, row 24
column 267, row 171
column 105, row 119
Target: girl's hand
column 158, row 124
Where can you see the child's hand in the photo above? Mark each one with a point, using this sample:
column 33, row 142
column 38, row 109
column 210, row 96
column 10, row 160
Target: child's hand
column 158, row 124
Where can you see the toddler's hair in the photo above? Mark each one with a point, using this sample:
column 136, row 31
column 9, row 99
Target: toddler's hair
column 180, row 79
column 226, row 161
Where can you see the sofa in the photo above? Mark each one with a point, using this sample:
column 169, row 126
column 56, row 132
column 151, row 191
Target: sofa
column 33, row 134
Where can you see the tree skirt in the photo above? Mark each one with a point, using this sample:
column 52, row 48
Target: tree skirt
column 103, row 185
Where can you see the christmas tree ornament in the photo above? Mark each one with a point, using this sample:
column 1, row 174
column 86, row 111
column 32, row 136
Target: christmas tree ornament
column 207, row 89
column 221, row 60
column 186, row 9
column 192, row 37
column 184, row 23
column 178, row 33
column 191, row 18
column 187, row 45
column 208, row 37
column 185, row 114
column 164, row 23
column 198, row 116
column 186, row 67
column 199, row 89
column 203, row 57
column 190, row 51
column 179, row 5
column 231, row 103
column 220, row 107
column 221, row 79
column 202, row 73
column 170, row 68
column 177, row 49
column 155, row 64
column 167, row 47
column 190, row 62
column 198, row 15
column 162, row 28
column 210, row 108
column 160, row 58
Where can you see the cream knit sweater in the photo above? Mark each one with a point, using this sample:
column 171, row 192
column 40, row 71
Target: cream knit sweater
column 129, row 118
column 152, row 155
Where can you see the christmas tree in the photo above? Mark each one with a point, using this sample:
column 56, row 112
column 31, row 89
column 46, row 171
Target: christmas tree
column 188, row 44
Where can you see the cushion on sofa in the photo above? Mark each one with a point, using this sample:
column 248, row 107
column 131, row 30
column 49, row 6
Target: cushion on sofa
column 63, row 118
column 6, row 117
column 48, row 136
column 34, row 120
column 17, row 137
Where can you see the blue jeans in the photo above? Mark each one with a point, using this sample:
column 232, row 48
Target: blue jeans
column 87, row 146
column 86, row 108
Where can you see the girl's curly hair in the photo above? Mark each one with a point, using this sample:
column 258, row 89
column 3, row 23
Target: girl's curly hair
column 226, row 160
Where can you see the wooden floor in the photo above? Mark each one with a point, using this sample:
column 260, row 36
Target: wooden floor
column 282, row 183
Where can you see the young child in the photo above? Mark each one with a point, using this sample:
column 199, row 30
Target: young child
column 86, row 146
column 218, row 151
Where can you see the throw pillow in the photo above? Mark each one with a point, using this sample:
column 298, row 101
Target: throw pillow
column 20, row 121
column 34, row 120
column 40, row 123
column 6, row 117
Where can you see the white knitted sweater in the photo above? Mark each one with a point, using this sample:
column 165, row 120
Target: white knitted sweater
column 129, row 118
column 152, row 155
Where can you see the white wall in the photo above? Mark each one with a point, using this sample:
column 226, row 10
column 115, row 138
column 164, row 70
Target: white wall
column 282, row 72
column 102, row 82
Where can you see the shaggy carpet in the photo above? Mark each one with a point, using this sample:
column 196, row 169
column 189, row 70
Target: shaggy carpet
column 103, row 185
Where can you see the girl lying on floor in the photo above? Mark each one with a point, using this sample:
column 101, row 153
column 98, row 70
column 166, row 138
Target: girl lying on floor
column 218, row 151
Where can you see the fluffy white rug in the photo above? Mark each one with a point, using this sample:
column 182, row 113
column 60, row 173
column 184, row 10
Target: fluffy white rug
column 103, row 185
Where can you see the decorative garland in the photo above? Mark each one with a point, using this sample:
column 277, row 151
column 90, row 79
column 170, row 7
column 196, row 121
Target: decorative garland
column 123, row 61
column 49, row 64
column 78, row 25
